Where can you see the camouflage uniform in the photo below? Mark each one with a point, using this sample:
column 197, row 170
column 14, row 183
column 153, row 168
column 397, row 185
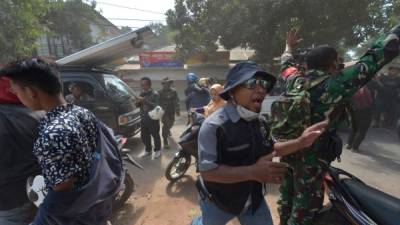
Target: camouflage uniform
column 169, row 101
column 302, row 189
column 290, row 69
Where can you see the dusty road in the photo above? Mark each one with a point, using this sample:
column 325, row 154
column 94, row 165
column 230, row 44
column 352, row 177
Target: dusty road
column 158, row 202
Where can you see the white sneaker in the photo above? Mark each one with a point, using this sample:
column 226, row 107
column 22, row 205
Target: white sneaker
column 145, row 154
column 157, row 154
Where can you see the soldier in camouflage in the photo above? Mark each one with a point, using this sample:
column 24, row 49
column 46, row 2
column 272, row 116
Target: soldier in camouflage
column 302, row 188
column 169, row 101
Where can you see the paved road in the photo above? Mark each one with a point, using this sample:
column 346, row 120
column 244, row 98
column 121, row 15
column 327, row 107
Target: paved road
column 158, row 202
column 378, row 162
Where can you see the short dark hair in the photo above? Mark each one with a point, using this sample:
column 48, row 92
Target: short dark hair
column 73, row 84
column 38, row 72
column 321, row 57
column 146, row 79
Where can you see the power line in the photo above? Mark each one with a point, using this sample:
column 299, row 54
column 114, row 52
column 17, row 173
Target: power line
column 126, row 7
column 134, row 19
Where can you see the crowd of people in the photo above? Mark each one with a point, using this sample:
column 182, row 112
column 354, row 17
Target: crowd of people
column 201, row 97
column 236, row 146
column 44, row 133
column 377, row 105
column 386, row 92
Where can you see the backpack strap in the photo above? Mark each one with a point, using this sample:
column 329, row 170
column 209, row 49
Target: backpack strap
column 316, row 82
column 302, row 83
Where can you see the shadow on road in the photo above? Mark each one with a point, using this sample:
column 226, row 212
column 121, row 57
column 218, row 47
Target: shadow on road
column 384, row 158
column 129, row 214
column 152, row 187
column 183, row 188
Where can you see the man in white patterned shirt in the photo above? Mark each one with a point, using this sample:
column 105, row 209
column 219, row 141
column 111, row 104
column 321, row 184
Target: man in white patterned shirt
column 66, row 145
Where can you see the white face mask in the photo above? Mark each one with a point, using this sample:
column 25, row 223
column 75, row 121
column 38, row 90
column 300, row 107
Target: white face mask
column 246, row 114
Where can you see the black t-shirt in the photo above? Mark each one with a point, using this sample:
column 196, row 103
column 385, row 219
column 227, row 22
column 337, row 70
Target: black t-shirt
column 151, row 100
column 18, row 131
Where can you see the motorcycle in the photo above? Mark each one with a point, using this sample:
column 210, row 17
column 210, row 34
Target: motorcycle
column 188, row 143
column 128, row 186
column 36, row 190
column 352, row 202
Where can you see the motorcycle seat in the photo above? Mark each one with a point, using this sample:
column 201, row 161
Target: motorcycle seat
column 384, row 209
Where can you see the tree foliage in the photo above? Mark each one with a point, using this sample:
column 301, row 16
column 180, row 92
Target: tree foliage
column 262, row 24
column 23, row 22
column 125, row 29
column 163, row 33
column 20, row 26
column 70, row 19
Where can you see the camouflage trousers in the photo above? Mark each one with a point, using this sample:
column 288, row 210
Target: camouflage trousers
column 168, row 121
column 302, row 190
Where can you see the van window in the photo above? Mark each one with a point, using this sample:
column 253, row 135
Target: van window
column 82, row 89
column 117, row 89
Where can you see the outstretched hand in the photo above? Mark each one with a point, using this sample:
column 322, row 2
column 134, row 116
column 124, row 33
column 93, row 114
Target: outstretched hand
column 311, row 133
column 266, row 171
column 292, row 39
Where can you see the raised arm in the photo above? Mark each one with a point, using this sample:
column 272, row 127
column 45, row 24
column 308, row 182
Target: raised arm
column 292, row 40
column 349, row 80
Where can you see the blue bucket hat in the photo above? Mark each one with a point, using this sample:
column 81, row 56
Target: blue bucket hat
column 242, row 72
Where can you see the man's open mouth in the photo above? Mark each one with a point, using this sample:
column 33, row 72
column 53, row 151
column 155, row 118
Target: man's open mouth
column 258, row 101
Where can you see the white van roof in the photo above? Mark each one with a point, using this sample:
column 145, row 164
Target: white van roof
column 125, row 45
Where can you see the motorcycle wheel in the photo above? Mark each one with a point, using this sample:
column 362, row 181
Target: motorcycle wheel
column 124, row 194
column 178, row 167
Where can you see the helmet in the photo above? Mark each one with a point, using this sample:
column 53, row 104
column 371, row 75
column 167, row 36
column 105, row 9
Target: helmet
column 204, row 82
column 191, row 77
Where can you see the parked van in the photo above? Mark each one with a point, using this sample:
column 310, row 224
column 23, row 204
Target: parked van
column 109, row 98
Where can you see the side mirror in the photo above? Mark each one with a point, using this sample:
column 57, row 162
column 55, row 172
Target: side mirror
column 99, row 94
